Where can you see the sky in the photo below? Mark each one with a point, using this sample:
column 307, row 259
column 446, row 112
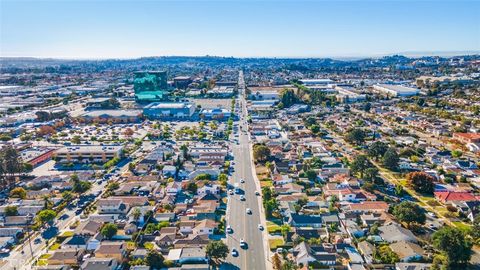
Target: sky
column 135, row 28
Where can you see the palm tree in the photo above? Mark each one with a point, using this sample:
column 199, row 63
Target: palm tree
column 136, row 214
column 47, row 202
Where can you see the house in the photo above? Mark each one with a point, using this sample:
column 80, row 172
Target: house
column 167, row 236
column 192, row 241
column 297, row 220
column 188, row 255
column 407, row 251
column 115, row 250
column 305, row 254
column 413, row 266
column 66, row 256
column 394, row 232
column 367, row 250
column 112, row 206
column 205, row 227
column 454, row 197
column 186, row 226
column 99, row 264
column 368, row 206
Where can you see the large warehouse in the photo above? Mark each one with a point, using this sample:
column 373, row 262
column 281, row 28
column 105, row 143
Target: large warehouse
column 396, row 90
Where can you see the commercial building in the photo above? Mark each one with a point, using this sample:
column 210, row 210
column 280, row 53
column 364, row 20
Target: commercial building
column 396, row 90
column 88, row 153
column 113, row 116
column 215, row 114
column 150, row 86
column 169, row 110
column 36, row 155
column 182, row 82
column 308, row 82
column 347, row 95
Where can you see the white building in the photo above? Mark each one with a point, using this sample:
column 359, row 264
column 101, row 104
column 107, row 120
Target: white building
column 396, row 90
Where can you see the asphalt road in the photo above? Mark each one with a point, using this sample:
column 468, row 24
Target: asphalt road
column 244, row 226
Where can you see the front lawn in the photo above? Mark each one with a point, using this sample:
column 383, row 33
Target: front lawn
column 274, row 243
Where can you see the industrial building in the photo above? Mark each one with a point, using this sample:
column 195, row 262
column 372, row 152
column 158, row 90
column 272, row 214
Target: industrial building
column 88, row 153
column 393, row 90
column 169, row 110
column 347, row 95
column 308, row 82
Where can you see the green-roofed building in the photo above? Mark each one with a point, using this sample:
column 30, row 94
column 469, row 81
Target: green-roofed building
column 150, row 86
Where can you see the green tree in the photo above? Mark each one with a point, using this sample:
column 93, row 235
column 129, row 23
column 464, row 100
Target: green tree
column 216, row 250
column 192, row 187
column 67, row 196
column 18, row 192
column 11, row 210
column 454, row 245
column 390, row 159
column 154, row 259
column 360, row 164
column 421, row 182
column 409, row 213
column 109, row 230
column 276, row 262
column 261, row 153
column 311, row 175
column 356, row 136
column 370, row 174
column 46, row 216
column 386, row 255
column 288, row 98
column 136, row 214
column 377, row 149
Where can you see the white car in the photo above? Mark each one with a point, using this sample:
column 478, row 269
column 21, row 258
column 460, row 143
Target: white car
column 230, row 192
column 242, row 181
column 242, row 242
column 242, row 198
column 229, row 229
column 260, row 227
column 249, row 211
column 234, row 253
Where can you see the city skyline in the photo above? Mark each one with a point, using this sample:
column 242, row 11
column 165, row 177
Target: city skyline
column 104, row 29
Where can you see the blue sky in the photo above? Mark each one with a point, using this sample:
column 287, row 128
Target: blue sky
column 127, row 29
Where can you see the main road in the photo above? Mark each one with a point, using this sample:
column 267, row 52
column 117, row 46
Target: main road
column 245, row 226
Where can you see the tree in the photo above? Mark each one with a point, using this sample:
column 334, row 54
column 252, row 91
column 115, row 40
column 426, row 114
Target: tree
column 67, row 196
column 276, row 262
column 11, row 210
column 285, row 229
column 390, row 159
column 386, row 255
column 136, row 214
column 356, row 136
column 261, row 153
column 47, row 202
column 377, row 149
column 109, row 230
column 154, row 259
column 128, row 132
column 475, row 231
column 192, row 187
column 10, row 164
column 421, row 182
column 18, row 192
column 45, row 130
column 457, row 153
column 409, row 213
column 454, row 245
column 370, row 174
column 288, row 98
column 76, row 139
column 46, row 216
column 311, row 175
column 216, row 250
column 360, row 164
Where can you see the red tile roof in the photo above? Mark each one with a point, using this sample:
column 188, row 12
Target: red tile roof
column 448, row 196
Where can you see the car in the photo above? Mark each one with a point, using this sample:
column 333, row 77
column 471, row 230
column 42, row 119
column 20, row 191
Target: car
column 242, row 243
column 249, row 211
column 242, row 181
column 242, row 198
column 257, row 193
column 432, row 226
column 37, row 240
column 260, row 227
column 230, row 192
column 279, row 250
column 229, row 229
column 432, row 214
column 234, row 252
